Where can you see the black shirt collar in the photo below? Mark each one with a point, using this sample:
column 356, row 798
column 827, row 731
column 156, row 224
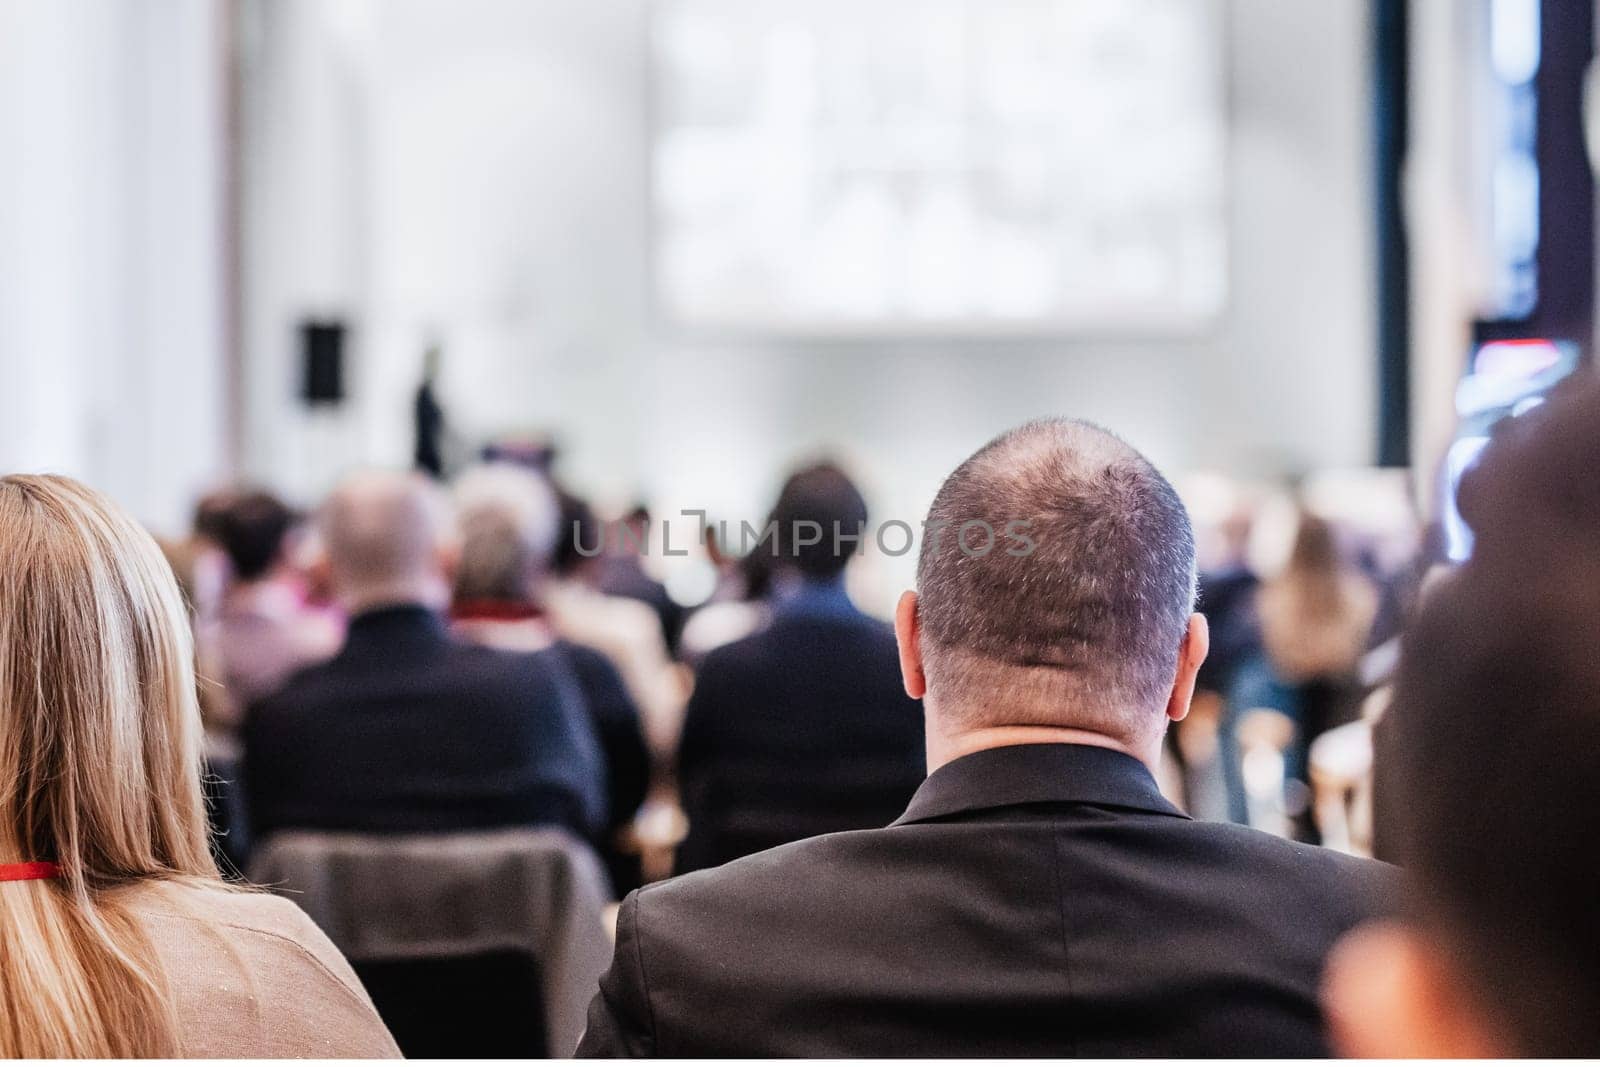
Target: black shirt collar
column 1038, row 774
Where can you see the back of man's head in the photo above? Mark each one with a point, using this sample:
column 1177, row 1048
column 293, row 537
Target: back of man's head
column 1487, row 793
column 386, row 536
column 1055, row 584
column 820, row 518
column 251, row 528
column 509, row 519
column 579, row 536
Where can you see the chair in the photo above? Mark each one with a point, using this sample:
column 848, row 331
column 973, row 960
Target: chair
column 460, row 939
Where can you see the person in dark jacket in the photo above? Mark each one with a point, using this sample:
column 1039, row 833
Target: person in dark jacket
column 509, row 519
column 407, row 729
column 1038, row 896
column 803, row 727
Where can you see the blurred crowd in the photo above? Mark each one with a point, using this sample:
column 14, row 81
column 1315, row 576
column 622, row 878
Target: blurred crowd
column 335, row 645
column 420, row 656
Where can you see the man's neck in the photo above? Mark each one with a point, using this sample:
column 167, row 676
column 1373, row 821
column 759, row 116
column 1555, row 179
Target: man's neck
column 812, row 596
column 946, row 747
column 270, row 595
column 433, row 595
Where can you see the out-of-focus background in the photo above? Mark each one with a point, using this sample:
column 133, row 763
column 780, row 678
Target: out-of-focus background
column 692, row 241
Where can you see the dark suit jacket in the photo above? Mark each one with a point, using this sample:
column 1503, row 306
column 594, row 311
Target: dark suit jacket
column 406, row 730
column 801, row 729
column 1039, row 900
column 617, row 726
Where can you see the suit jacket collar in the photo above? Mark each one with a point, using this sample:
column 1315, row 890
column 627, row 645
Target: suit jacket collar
column 1038, row 774
column 382, row 629
column 814, row 600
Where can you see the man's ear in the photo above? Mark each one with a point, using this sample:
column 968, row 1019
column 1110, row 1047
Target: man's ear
column 1191, row 653
column 908, row 633
column 1390, row 993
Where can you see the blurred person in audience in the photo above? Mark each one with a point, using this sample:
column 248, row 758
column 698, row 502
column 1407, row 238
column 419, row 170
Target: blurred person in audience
column 626, row 631
column 738, row 604
column 120, row 938
column 803, row 727
column 1341, row 759
column 1316, row 617
column 1206, row 740
column 428, row 416
column 206, row 523
column 1486, row 790
column 407, row 730
column 1228, row 585
column 200, row 574
column 620, row 572
column 509, row 519
column 263, row 631
column 538, row 452
column 1402, row 591
column 1038, row 896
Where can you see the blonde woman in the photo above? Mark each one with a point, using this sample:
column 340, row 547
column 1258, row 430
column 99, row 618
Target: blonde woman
column 1316, row 616
column 117, row 938
column 1315, row 619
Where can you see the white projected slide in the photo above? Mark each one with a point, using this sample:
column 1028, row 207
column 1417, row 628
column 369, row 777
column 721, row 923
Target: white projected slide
column 925, row 165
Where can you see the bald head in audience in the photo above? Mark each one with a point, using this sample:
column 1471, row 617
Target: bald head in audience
column 389, row 540
column 1055, row 596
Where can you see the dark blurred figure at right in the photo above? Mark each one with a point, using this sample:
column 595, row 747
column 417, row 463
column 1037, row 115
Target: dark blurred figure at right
column 1486, row 787
column 802, row 728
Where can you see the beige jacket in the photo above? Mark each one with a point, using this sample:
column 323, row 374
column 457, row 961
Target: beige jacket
column 254, row 977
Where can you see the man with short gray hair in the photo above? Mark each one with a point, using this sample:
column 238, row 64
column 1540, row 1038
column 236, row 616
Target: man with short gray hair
column 510, row 522
column 1038, row 897
column 1081, row 622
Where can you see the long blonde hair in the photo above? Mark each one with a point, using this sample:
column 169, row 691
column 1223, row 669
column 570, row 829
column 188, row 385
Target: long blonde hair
column 99, row 771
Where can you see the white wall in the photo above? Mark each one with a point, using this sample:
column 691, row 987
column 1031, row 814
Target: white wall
column 489, row 175
column 111, row 251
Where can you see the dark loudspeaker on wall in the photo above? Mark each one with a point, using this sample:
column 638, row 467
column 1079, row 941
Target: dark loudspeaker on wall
column 322, row 358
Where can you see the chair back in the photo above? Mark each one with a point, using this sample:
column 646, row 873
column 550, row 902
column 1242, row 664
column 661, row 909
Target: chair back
column 457, row 935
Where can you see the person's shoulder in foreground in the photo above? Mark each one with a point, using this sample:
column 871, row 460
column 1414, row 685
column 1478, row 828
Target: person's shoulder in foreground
column 1039, row 900
column 253, row 976
column 1039, row 896
column 119, row 938
column 1485, row 786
